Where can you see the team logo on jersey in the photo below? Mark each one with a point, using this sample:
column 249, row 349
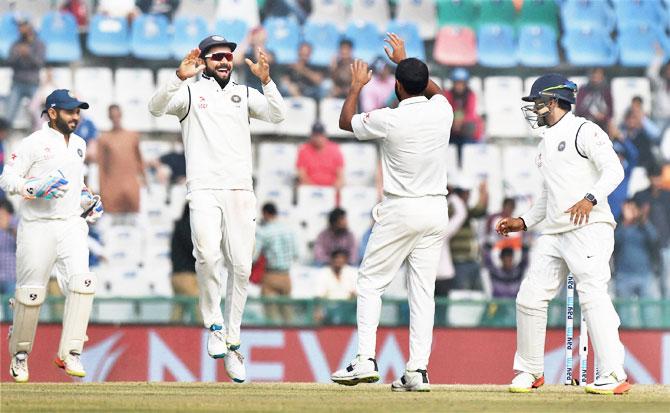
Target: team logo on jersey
column 561, row 146
column 203, row 102
column 80, row 153
column 236, row 99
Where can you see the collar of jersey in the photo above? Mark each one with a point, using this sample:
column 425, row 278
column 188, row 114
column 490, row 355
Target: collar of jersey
column 413, row 99
column 52, row 131
column 566, row 118
column 214, row 83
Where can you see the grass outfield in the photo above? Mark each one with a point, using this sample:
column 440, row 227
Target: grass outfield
column 307, row 398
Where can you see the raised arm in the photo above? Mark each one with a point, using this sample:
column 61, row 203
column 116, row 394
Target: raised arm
column 397, row 53
column 360, row 76
column 171, row 98
column 270, row 105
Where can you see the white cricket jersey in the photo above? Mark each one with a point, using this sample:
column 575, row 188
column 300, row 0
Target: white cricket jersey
column 215, row 127
column 573, row 165
column 414, row 138
column 43, row 153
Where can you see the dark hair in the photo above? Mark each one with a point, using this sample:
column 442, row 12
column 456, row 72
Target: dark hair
column 347, row 42
column 270, row 209
column 564, row 105
column 506, row 252
column 4, row 125
column 654, row 170
column 335, row 215
column 6, row 205
column 339, row 251
column 308, row 44
column 412, row 74
column 637, row 99
column 509, row 201
column 113, row 106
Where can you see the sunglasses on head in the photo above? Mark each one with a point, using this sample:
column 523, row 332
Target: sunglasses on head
column 217, row 57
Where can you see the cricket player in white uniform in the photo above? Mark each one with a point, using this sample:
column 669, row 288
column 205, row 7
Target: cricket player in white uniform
column 47, row 169
column 411, row 221
column 579, row 169
column 214, row 113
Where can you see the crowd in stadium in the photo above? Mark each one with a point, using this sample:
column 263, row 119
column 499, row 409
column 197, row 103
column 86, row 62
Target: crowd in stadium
column 315, row 185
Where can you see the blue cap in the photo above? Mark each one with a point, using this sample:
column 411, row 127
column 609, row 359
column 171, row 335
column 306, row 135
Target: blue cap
column 63, row 99
column 553, row 86
column 460, row 75
column 214, row 40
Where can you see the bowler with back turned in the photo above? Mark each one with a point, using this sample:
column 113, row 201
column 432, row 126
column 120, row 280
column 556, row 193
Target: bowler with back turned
column 411, row 222
column 579, row 169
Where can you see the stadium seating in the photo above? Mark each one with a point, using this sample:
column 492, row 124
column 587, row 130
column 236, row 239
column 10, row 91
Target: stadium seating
column 95, row 86
column 360, row 163
column 538, row 46
column 368, row 40
column 496, row 46
column 589, row 47
column 246, row 10
column 540, row 12
column 372, row 11
column 108, row 36
column 455, row 46
column 5, row 81
column 304, row 281
column 197, row 8
column 189, row 31
column 521, row 178
column 456, row 13
column 587, row 14
column 314, row 205
column 280, row 195
column 358, row 201
column 637, row 44
column 35, row 10
column 502, row 100
column 259, row 127
column 419, row 12
column 329, row 115
column 635, row 12
column 409, row 32
column 300, row 116
column 9, row 32
column 276, row 164
column 496, row 12
column 60, row 35
column 61, row 77
column 324, row 38
column 283, row 39
column 132, row 91
column 330, row 11
column 150, row 37
column 482, row 162
column 638, row 180
column 624, row 89
column 232, row 30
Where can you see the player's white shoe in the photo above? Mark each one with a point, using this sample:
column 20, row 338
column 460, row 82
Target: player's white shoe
column 360, row 370
column 18, row 368
column 72, row 365
column 216, row 343
column 609, row 384
column 412, row 381
column 234, row 362
column 526, row 382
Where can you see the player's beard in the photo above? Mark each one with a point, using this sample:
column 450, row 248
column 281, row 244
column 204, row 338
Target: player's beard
column 63, row 126
column 217, row 76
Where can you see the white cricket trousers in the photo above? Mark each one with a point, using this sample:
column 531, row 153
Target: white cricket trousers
column 223, row 225
column 410, row 230
column 585, row 252
column 43, row 243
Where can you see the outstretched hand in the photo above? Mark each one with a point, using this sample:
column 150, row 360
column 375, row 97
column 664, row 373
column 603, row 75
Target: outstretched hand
column 260, row 69
column 191, row 65
column 360, row 74
column 397, row 51
column 507, row 225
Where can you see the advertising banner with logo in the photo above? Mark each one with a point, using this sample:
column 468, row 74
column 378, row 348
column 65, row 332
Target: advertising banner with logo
column 163, row 353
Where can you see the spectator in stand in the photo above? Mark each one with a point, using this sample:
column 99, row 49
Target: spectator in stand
column 628, row 155
column 340, row 69
column 513, row 240
column 659, row 74
column 336, row 237
column 635, row 252
column 301, row 78
column 631, row 130
column 467, row 126
column 121, row 167
column 657, row 200
column 26, row 58
column 8, row 226
column 298, row 9
column 320, row 160
column 79, row 9
column 464, row 244
column 650, row 128
column 337, row 281
column 248, row 49
column 165, row 8
column 506, row 279
column 594, row 100
column 276, row 242
column 381, row 90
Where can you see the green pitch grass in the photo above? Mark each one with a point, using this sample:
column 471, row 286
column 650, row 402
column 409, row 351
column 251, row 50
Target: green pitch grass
column 307, row 398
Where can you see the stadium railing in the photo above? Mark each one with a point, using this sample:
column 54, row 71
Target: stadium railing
column 183, row 310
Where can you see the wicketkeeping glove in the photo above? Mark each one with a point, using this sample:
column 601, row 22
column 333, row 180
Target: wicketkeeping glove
column 92, row 205
column 48, row 187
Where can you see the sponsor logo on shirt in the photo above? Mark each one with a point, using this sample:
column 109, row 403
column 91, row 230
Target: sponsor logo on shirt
column 202, row 102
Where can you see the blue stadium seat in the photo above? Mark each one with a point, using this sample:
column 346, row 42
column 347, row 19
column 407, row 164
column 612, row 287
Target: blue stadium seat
column 232, row 30
column 368, row 41
column 634, row 12
column 410, row 33
column 150, row 37
column 637, row 44
column 60, row 35
column 496, row 45
column 538, row 46
column 108, row 36
column 324, row 38
column 8, row 33
column 589, row 47
column 283, row 39
column 587, row 14
column 190, row 29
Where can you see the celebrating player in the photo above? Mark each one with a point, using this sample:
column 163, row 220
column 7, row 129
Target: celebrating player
column 579, row 169
column 411, row 221
column 48, row 171
column 214, row 113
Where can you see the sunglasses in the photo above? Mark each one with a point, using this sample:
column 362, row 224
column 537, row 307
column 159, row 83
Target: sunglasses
column 217, row 57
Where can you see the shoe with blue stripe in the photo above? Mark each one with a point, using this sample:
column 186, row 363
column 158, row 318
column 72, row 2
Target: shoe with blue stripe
column 234, row 362
column 216, row 342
